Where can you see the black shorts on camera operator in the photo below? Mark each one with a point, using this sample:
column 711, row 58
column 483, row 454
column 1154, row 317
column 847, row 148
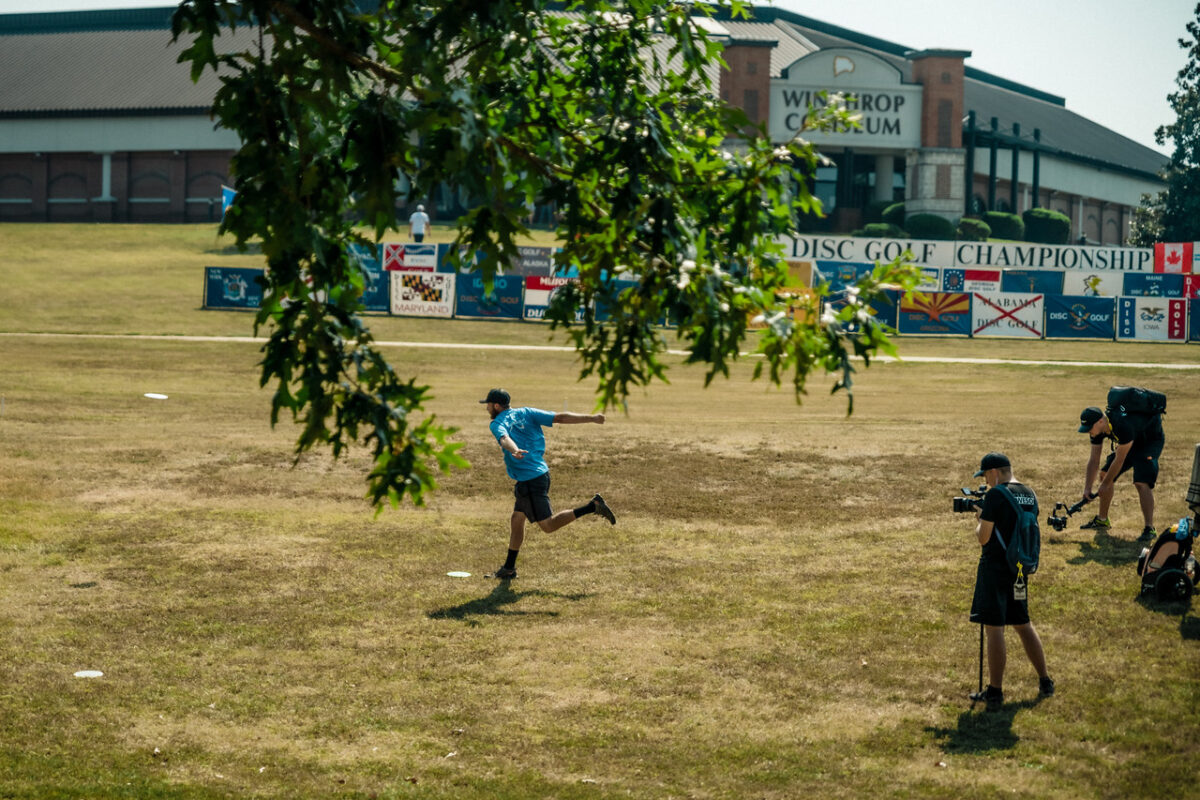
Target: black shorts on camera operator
column 1001, row 597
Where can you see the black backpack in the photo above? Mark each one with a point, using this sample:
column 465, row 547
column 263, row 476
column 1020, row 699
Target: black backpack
column 1135, row 400
column 1025, row 543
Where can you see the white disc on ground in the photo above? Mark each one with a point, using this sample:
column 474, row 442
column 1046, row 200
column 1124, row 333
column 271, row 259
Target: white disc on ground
column 89, row 673
column 155, row 396
column 459, row 574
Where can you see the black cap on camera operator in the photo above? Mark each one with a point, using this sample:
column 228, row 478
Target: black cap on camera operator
column 999, row 599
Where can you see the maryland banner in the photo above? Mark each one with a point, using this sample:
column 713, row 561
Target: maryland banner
column 1036, row 281
column 1143, row 285
column 538, row 292
column 1007, row 314
column 417, row 293
column 232, row 288
column 1152, row 319
column 935, row 313
column 970, row 280
column 376, row 283
column 502, row 302
column 1080, row 317
column 1093, row 284
column 409, row 255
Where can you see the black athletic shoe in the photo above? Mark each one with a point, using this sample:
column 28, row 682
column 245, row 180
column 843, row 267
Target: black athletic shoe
column 504, row 574
column 1046, row 687
column 1148, row 534
column 991, row 695
column 603, row 510
column 1096, row 524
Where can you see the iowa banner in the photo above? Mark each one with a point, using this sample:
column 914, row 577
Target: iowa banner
column 1152, row 319
column 935, row 313
column 1080, row 317
column 1007, row 314
column 417, row 293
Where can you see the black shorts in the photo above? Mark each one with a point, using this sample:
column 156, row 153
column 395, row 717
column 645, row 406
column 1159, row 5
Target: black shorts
column 1142, row 459
column 993, row 603
column 533, row 498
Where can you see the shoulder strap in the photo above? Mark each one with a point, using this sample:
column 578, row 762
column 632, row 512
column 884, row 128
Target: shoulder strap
column 1016, row 507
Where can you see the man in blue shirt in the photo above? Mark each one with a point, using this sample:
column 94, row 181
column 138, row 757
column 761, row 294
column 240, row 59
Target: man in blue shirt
column 519, row 432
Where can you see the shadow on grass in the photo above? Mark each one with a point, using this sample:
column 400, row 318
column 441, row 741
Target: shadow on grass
column 494, row 604
column 1108, row 550
column 979, row 731
column 1189, row 626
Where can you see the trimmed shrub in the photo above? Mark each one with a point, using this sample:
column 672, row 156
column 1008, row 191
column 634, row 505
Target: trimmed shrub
column 1046, row 227
column 893, row 215
column 1005, row 226
column 973, row 230
column 929, row 226
column 880, row 230
column 874, row 211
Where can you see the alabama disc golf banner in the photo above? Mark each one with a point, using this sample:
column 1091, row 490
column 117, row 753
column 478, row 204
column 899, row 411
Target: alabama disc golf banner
column 1007, row 314
column 417, row 293
column 538, row 292
column 1152, row 319
column 232, row 288
column 1036, row 281
column 1080, row 317
column 502, row 302
column 935, row 313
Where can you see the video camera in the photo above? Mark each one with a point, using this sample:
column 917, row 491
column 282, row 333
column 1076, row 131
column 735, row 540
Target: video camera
column 1060, row 522
column 971, row 500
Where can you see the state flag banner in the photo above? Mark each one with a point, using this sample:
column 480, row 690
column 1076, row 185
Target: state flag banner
column 1093, row 283
column 410, row 255
column 1173, row 256
column 539, row 291
column 1152, row 319
column 1146, row 284
column 420, row 293
column 1037, row 281
column 1191, row 286
column 935, row 313
column 1008, row 314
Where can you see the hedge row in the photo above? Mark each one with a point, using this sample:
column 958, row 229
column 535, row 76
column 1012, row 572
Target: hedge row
column 1039, row 225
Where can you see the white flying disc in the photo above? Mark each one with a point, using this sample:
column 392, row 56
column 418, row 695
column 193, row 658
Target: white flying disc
column 89, row 673
column 459, row 574
column 155, row 396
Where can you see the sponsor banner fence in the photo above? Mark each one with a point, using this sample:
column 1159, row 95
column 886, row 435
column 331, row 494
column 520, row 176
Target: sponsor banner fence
column 539, row 290
column 533, row 261
column 232, row 288
column 1191, row 286
column 935, row 313
column 376, row 282
column 840, row 274
column 1080, row 317
column 1036, row 281
column 970, row 280
column 1156, row 319
column 410, row 256
column 1165, row 285
column 1194, row 317
column 1007, row 314
column 502, row 302
column 418, row 293
column 1093, row 284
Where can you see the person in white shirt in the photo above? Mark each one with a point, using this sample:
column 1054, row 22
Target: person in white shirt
column 417, row 223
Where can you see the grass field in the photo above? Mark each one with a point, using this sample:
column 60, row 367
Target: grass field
column 780, row 612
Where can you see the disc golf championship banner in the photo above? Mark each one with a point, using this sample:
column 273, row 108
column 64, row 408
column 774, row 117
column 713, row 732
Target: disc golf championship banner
column 410, row 256
column 418, row 293
column 502, row 302
column 935, row 314
column 1034, row 281
column 1007, row 314
column 236, row 288
column 1152, row 319
column 1080, row 317
column 376, row 282
column 539, row 290
column 1164, row 285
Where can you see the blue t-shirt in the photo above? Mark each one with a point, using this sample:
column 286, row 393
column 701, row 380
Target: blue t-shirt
column 524, row 426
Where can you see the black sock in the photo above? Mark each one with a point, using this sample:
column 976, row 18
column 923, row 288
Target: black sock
column 511, row 561
column 590, row 508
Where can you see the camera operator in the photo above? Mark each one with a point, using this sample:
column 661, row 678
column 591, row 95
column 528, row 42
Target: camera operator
column 1137, row 442
column 1000, row 598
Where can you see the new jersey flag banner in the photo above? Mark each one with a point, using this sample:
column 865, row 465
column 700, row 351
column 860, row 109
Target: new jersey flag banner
column 232, row 287
column 410, row 255
column 1142, row 284
column 1152, row 319
column 1007, row 314
column 941, row 313
column 970, row 280
column 1174, row 256
column 502, row 302
column 539, row 290
column 418, row 293
column 1093, row 283
column 1080, row 317
column 1036, row 281
column 376, row 295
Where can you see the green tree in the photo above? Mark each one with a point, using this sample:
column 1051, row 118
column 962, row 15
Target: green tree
column 1174, row 214
column 606, row 111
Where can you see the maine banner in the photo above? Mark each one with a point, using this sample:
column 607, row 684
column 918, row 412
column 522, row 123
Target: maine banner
column 232, row 288
column 935, row 313
column 502, row 302
column 1147, row 319
column 1166, row 285
column 1080, row 317
column 1007, row 314
column 418, row 293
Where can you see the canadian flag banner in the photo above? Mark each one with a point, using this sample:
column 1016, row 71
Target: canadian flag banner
column 1174, row 256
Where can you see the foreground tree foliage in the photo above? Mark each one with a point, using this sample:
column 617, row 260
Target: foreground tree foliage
column 1174, row 214
column 514, row 105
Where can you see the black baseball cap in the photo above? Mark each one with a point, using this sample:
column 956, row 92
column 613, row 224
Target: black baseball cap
column 1089, row 417
column 497, row 396
column 992, row 461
